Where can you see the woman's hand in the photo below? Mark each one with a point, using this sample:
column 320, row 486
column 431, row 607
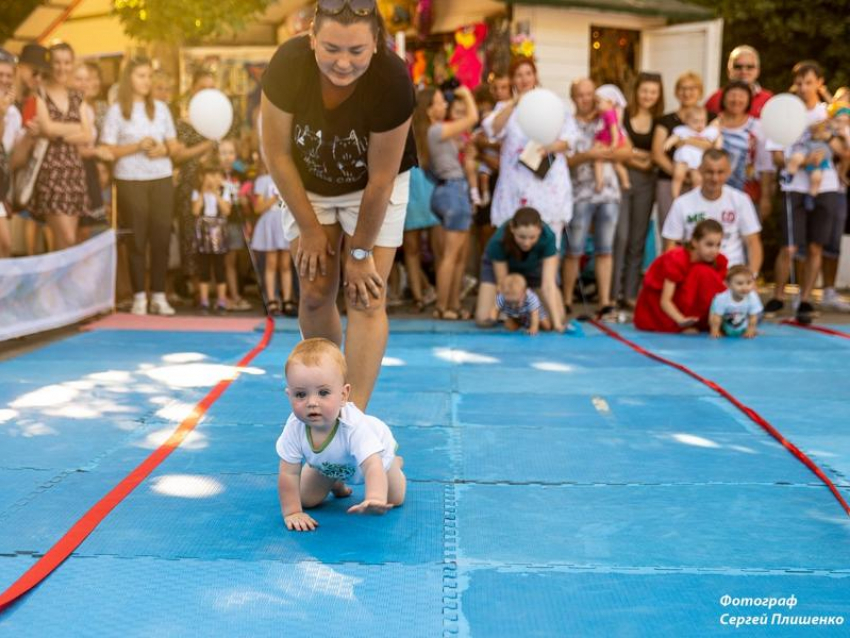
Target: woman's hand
column 687, row 322
column 146, row 144
column 7, row 100
column 104, row 154
column 157, row 151
column 33, row 128
column 300, row 522
column 312, row 256
column 362, row 281
column 370, row 506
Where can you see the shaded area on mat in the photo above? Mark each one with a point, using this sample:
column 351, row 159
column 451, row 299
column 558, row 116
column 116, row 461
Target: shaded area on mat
column 144, row 596
column 234, row 516
column 643, row 605
column 659, row 526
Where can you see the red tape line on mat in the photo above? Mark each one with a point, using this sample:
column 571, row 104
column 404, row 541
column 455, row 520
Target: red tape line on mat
column 72, row 539
column 821, row 329
column 752, row 414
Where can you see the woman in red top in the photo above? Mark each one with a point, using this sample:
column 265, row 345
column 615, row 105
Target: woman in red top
column 679, row 286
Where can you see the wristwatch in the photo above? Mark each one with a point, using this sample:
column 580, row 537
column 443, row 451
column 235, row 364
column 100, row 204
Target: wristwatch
column 359, row 254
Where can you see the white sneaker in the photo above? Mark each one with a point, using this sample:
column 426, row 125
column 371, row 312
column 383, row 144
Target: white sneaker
column 161, row 307
column 140, row 306
column 832, row 301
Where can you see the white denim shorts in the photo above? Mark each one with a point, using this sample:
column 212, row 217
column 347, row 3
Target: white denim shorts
column 344, row 209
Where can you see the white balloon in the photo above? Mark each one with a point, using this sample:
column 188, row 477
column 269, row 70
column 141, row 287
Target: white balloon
column 211, row 113
column 783, row 119
column 540, row 114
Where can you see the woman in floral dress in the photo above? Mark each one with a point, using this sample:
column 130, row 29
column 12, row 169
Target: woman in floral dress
column 60, row 196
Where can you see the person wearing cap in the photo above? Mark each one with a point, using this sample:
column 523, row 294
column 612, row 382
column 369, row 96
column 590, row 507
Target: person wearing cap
column 32, row 66
column 10, row 130
column 743, row 66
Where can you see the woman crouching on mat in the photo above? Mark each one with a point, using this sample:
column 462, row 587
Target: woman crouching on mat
column 526, row 246
column 680, row 284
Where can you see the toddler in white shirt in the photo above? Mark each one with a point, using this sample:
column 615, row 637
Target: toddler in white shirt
column 334, row 439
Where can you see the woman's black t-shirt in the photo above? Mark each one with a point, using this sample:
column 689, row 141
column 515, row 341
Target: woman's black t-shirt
column 668, row 121
column 642, row 141
column 330, row 146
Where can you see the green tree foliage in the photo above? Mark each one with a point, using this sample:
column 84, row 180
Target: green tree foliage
column 12, row 13
column 184, row 21
column 787, row 31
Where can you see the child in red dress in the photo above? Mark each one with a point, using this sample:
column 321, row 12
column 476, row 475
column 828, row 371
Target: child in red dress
column 680, row 284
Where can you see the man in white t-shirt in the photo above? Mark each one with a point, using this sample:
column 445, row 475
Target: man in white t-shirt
column 729, row 206
column 813, row 225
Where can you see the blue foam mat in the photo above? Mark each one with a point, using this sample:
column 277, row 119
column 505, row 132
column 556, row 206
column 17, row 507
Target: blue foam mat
column 558, row 486
column 97, row 597
column 643, row 605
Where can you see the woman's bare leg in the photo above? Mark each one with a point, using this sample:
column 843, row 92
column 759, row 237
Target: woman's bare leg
column 446, row 268
column 284, row 260
column 64, row 229
column 269, row 274
column 412, row 261
column 367, row 332
column 317, row 312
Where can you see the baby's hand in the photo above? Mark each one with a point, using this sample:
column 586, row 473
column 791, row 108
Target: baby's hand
column 300, row 522
column 370, row 506
column 750, row 333
column 532, row 331
column 715, row 333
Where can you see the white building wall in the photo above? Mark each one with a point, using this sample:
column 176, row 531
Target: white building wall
column 562, row 38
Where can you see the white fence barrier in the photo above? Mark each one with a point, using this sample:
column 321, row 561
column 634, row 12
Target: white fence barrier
column 57, row 289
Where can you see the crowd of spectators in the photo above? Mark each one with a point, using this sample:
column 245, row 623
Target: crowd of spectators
column 534, row 241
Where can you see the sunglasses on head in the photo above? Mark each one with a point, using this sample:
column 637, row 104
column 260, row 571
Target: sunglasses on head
column 7, row 57
column 360, row 8
column 741, row 67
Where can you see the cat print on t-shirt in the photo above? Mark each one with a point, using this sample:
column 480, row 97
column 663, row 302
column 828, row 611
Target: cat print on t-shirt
column 338, row 160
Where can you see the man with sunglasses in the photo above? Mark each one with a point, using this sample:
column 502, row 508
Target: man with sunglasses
column 336, row 111
column 744, row 66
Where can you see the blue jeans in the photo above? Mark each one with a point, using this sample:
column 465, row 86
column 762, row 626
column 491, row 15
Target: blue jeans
column 450, row 202
column 604, row 219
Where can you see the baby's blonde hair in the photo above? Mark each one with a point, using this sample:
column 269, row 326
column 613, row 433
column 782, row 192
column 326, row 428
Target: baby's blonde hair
column 740, row 269
column 311, row 352
column 514, row 282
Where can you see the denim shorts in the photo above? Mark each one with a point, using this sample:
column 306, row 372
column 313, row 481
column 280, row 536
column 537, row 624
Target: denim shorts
column 450, row 203
column 604, row 219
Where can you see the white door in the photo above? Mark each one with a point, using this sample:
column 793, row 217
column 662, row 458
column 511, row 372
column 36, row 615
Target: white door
column 693, row 46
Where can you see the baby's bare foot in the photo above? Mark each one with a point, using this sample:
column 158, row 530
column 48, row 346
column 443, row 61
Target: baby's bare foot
column 340, row 490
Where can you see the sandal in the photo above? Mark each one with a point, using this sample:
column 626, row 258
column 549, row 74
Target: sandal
column 273, row 308
column 445, row 315
column 462, row 313
column 290, row 308
column 607, row 314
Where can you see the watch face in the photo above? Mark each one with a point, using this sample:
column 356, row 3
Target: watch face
column 359, row 253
